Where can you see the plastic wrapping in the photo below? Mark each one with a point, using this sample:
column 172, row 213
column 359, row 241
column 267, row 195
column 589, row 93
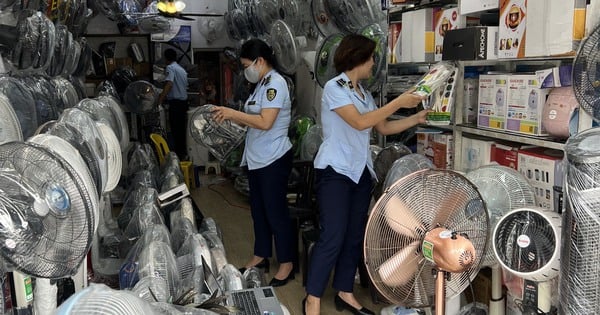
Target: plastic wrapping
column 241, row 185
column 142, row 158
column 405, row 165
column 36, row 40
column 141, row 97
column 231, row 278
column 171, row 309
column 184, row 208
column 142, row 217
column 67, row 94
column 197, row 246
column 11, row 129
column 85, row 58
column 46, row 101
column 171, row 166
column 45, row 296
column 122, row 130
column 107, row 88
column 209, row 224
column 157, row 259
column 171, row 181
column 220, row 139
column 100, row 111
column 81, row 121
column 217, row 250
column 384, row 161
column 113, row 156
column 254, row 278
column 579, row 279
column 64, row 39
column 298, row 129
column 47, row 220
column 78, row 85
column 100, row 299
column 181, row 228
column 136, row 196
column 152, row 289
column 436, row 78
column 72, row 61
column 22, row 102
column 311, row 142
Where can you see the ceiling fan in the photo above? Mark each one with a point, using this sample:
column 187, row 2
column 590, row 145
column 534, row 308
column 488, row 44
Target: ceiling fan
column 174, row 8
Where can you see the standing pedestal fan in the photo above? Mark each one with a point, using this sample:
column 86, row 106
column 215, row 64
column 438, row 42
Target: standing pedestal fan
column 503, row 189
column 425, row 238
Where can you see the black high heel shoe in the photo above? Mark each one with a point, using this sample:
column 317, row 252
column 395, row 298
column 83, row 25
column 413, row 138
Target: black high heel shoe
column 264, row 264
column 304, row 306
column 341, row 305
column 278, row 282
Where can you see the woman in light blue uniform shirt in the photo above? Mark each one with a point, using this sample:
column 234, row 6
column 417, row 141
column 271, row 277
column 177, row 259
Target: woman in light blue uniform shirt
column 344, row 171
column 268, row 155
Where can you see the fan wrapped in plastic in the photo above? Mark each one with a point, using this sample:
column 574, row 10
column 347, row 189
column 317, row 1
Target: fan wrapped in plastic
column 398, row 252
column 67, row 94
column 141, row 158
column 324, row 20
column 85, row 57
column 586, row 74
column 113, row 156
column 157, row 259
column 106, row 110
column 374, row 32
column 46, row 101
column 579, row 279
column 83, row 123
column 141, row 97
column 72, row 62
column 324, row 69
column 152, row 289
column 220, row 139
column 405, row 165
column 11, row 128
column 154, row 24
column 386, row 158
column 64, row 39
column 311, row 142
column 122, row 78
column 350, row 16
column 35, row 41
column 526, row 242
column 122, row 128
column 286, row 46
column 231, row 278
column 22, row 102
column 48, row 224
column 100, row 299
column 238, row 26
column 298, row 129
column 503, row 189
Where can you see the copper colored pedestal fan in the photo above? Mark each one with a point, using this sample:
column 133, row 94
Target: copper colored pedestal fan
column 425, row 238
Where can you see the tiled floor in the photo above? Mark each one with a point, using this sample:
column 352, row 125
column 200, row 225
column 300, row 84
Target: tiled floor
column 217, row 198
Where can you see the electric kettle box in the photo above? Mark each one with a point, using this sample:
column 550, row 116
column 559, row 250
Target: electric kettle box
column 544, row 169
column 512, row 26
column 492, row 101
column 471, row 43
column 525, row 105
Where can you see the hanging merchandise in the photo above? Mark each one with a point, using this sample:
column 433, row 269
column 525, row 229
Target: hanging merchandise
column 32, row 47
column 46, row 102
column 324, row 21
column 66, row 91
column 11, row 128
column 374, row 32
column 585, row 74
column 141, row 97
column 22, row 102
column 324, row 69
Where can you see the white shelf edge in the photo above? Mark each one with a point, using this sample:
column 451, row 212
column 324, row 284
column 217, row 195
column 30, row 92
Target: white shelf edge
column 532, row 140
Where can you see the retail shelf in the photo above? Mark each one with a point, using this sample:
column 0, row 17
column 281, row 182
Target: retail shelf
column 546, row 142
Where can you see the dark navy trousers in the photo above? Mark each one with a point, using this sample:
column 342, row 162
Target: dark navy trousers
column 269, row 208
column 343, row 206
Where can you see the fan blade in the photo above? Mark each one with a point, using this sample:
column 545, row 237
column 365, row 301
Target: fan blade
column 401, row 219
column 401, row 268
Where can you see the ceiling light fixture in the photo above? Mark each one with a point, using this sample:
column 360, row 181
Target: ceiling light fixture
column 170, row 6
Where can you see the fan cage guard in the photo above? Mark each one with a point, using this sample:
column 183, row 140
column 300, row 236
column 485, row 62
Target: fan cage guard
column 406, row 165
column 526, row 243
column 432, row 198
column 586, row 74
column 52, row 246
column 503, row 189
column 324, row 69
column 579, row 281
column 220, row 139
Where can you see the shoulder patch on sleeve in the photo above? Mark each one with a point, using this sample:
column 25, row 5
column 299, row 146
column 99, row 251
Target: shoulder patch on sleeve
column 341, row 82
column 271, row 93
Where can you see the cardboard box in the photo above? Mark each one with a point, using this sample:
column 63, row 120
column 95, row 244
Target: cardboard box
column 471, row 6
column 505, row 153
column 525, row 105
column 417, row 36
column 555, row 77
column 482, row 287
column 544, row 169
column 492, row 101
column 444, row 21
column 471, row 43
column 556, row 28
column 436, row 146
column 512, row 27
column 476, row 152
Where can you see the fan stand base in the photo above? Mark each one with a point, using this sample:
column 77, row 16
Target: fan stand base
column 440, row 293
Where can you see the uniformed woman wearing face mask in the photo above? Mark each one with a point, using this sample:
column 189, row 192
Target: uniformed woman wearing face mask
column 344, row 171
column 268, row 155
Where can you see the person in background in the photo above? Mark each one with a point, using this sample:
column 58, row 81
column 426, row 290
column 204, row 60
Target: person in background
column 344, row 171
column 208, row 93
column 175, row 94
column 268, row 155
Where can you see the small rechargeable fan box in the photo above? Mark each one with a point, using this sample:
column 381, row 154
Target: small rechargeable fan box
column 544, row 169
column 525, row 105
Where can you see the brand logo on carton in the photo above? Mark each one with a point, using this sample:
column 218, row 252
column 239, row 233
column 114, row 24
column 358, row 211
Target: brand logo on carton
column 482, row 43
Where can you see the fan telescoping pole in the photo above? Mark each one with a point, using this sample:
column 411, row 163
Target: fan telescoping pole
column 440, row 292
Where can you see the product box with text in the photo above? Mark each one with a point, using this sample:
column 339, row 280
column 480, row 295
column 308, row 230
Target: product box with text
column 512, row 27
column 525, row 105
column 492, row 101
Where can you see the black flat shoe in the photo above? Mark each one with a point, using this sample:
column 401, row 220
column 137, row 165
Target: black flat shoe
column 264, row 264
column 278, row 283
column 341, row 305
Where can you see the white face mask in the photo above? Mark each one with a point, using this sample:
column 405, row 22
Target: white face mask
column 251, row 73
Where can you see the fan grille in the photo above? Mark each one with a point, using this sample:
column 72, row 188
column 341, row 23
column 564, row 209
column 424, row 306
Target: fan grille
column 586, row 74
column 405, row 165
column 220, row 139
column 52, row 245
column 526, row 243
column 413, row 205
